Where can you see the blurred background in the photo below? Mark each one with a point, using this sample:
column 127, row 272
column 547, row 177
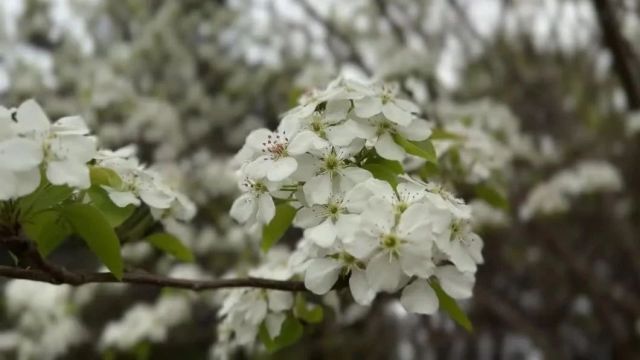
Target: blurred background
column 549, row 90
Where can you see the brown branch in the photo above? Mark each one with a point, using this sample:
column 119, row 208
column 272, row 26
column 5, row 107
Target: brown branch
column 623, row 58
column 64, row 276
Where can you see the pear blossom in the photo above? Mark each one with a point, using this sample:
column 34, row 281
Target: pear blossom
column 419, row 297
column 385, row 102
column 256, row 202
column 380, row 131
column 324, row 223
column 20, row 159
column 66, row 145
column 397, row 250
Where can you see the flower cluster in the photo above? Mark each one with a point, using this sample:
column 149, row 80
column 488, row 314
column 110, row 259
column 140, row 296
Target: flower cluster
column 65, row 152
column 326, row 160
column 29, row 141
column 554, row 195
column 481, row 138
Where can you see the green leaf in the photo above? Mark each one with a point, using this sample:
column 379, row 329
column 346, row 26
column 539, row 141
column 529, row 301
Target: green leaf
column 310, row 313
column 171, row 245
column 441, row 134
column 382, row 172
column 48, row 229
column 114, row 214
column 392, row 165
column 428, row 171
column 44, row 198
column 448, row 304
column 291, row 332
column 273, row 231
column 89, row 223
column 423, row 149
column 104, row 176
column 492, row 195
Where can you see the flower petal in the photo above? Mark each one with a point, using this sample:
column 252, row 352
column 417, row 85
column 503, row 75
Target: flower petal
column 388, row 149
column 318, row 189
column 279, row 300
column 282, row 168
column 122, row 198
column 367, row 106
column 362, row 293
column 323, row 235
column 459, row 285
column 31, row 118
column 18, row 154
column 396, row 114
column 321, row 275
column 69, row 172
column 26, row 181
column 243, row 207
column 419, row 297
column 384, row 273
column 274, row 321
column 266, row 208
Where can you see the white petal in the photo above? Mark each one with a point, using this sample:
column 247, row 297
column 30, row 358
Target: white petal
column 410, row 192
column 122, row 198
column 415, row 260
column 321, row 275
column 323, row 235
column 407, row 105
column 347, row 225
column 70, row 125
column 318, row 189
column 69, row 172
column 384, row 273
column 419, row 297
column 308, row 217
column 305, row 141
column 76, row 147
column 388, row 149
column 157, row 198
column 351, row 176
column 8, row 187
column 417, row 130
column 266, row 208
column 259, row 167
column 279, row 300
column 379, row 217
column 396, row 114
column 31, row 118
column 362, row 293
column 367, row 106
column 341, row 134
column 19, row 154
column 243, row 207
column 257, row 137
column 357, row 198
column 274, row 321
column 361, row 246
column 457, row 284
column 26, row 181
column 336, row 110
column 282, row 168
column 461, row 258
column 415, row 216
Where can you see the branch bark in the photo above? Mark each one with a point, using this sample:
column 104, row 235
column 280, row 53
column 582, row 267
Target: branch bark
column 623, row 58
column 82, row 278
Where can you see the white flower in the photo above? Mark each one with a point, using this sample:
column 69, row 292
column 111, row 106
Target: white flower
column 398, row 111
column 326, row 124
column 461, row 244
column 322, row 274
column 408, row 193
column 419, row 297
column 380, row 131
column 332, row 168
column 137, row 184
column 19, row 160
column 66, row 147
column 324, row 223
column 400, row 250
column 276, row 150
column 256, row 203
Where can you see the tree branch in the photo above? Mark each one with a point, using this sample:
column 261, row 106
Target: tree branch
column 623, row 61
column 82, row 278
